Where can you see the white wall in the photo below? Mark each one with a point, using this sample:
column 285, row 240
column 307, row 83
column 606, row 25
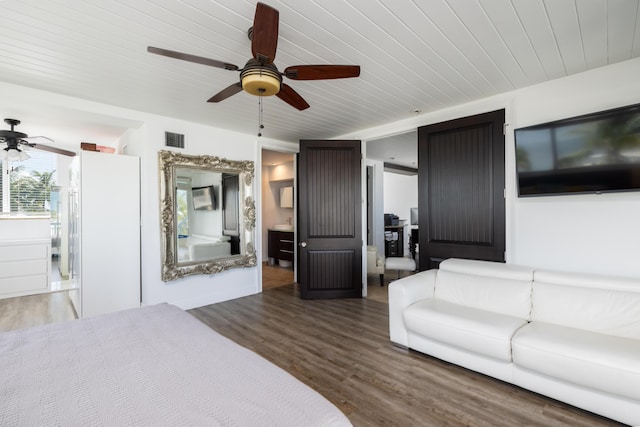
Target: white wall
column 198, row 290
column 205, row 222
column 588, row 233
column 585, row 233
column 577, row 233
column 400, row 195
column 145, row 138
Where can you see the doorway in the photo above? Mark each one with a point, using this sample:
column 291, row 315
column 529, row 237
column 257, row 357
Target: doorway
column 278, row 218
column 392, row 187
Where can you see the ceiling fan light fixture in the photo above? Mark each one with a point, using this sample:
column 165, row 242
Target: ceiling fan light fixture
column 22, row 155
column 13, row 154
column 260, row 79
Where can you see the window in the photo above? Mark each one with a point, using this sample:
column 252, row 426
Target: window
column 183, row 196
column 26, row 185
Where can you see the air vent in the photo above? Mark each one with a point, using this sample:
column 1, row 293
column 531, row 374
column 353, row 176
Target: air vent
column 175, row 140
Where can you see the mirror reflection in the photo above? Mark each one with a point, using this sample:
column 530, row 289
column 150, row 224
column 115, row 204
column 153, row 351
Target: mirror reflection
column 208, row 214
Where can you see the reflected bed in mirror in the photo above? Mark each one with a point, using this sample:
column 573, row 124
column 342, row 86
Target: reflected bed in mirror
column 207, row 213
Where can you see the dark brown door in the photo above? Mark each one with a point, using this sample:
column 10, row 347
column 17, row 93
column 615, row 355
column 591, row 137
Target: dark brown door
column 329, row 219
column 461, row 189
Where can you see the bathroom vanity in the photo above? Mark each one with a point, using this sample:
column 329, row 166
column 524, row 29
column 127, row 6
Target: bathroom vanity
column 281, row 247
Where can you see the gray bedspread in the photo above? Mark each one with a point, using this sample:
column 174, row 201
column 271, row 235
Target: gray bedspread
column 149, row 366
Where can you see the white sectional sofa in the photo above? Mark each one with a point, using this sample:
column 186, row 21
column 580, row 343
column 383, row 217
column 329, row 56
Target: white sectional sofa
column 572, row 337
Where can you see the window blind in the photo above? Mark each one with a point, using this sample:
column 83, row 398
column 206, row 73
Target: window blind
column 28, row 183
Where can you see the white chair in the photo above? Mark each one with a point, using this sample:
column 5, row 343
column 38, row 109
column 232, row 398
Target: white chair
column 400, row 263
column 375, row 263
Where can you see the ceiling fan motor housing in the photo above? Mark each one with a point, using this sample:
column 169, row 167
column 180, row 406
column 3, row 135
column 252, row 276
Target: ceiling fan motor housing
column 12, row 135
column 15, row 139
column 260, row 79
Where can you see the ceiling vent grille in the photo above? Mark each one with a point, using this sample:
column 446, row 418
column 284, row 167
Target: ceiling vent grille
column 175, row 140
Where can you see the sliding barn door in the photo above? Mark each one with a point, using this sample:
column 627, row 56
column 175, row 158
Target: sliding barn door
column 461, row 189
column 329, row 219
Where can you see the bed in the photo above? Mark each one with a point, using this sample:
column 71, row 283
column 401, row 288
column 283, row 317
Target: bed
column 203, row 248
column 154, row 365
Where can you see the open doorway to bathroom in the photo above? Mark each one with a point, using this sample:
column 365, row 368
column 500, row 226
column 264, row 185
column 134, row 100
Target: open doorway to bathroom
column 278, row 219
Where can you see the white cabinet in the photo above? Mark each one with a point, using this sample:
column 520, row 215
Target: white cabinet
column 109, row 232
column 24, row 267
column 25, row 256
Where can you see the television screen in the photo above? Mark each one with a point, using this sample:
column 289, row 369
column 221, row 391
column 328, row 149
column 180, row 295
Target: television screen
column 204, row 198
column 594, row 153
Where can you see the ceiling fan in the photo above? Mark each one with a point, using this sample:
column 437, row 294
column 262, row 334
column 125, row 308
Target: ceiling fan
column 260, row 76
column 15, row 139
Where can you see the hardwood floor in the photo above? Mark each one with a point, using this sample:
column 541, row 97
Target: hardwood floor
column 341, row 348
column 381, row 293
column 274, row 276
column 34, row 310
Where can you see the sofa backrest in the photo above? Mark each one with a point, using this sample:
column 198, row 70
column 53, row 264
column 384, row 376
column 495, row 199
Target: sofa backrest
column 608, row 305
column 492, row 286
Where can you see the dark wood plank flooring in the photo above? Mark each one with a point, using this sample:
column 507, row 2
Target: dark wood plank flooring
column 274, row 276
column 341, row 348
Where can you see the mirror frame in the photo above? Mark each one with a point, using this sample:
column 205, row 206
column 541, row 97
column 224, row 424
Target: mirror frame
column 168, row 162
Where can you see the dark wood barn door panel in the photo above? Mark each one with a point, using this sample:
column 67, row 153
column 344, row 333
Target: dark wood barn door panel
column 461, row 189
column 329, row 219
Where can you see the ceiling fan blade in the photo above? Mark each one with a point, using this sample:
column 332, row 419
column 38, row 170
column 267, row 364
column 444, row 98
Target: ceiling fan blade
column 264, row 37
column 51, row 149
column 291, row 97
column 192, row 58
column 24, row 140
column 321, row 72
column 226, row 93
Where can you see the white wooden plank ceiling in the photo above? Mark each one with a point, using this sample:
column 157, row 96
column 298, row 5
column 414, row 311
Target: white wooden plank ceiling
column 414, row 54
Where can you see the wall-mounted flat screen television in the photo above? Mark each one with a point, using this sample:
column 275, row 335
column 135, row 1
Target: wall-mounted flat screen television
column 594, row 153
column 204, row 198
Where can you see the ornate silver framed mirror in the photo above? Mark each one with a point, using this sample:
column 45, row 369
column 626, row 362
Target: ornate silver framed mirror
column 207, row 214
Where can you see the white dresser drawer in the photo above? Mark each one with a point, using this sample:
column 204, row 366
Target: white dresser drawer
column 21, row 252
column 24, row 284
column 24, row 267
column 32, row 267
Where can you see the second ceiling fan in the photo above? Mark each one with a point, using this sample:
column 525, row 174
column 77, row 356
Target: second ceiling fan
column 260, row 76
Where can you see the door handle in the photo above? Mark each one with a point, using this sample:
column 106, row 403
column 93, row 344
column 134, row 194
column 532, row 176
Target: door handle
column 303, row 244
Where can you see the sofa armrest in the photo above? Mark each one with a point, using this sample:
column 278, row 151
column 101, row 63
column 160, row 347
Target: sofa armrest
column 403, row 293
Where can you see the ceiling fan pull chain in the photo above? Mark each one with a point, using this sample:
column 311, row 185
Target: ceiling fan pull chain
column 260, row 125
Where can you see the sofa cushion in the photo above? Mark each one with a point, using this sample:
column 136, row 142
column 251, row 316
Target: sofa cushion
column 475, row 330
column 606, row 305
column 491, row 286
column 601, row 362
